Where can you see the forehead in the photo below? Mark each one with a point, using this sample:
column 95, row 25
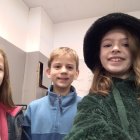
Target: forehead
column 117, row 32
column 64, row 59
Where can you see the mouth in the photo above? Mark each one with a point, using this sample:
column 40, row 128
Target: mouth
column 63, row 78
column 116, row 59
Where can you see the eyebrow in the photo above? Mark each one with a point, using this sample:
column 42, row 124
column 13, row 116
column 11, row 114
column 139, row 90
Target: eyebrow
column 106, row 39
column 62, row 63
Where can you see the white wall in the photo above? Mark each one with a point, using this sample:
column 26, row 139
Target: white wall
column 14, row 21
column 40, row 32
column 33, row 32
column 83, row 83
column 46, row 34
column 135, row 14
column 28, row 29
column 71, row 34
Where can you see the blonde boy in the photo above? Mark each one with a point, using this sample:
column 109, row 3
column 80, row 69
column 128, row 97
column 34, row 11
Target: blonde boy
column 51, row 117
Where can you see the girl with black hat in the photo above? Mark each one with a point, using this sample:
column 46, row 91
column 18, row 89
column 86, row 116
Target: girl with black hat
column 111, row 110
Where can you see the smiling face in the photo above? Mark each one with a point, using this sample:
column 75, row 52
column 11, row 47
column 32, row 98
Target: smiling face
column 115, row 55
column 63, row 71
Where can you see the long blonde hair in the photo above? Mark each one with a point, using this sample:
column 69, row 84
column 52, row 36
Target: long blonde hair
column 5, row 89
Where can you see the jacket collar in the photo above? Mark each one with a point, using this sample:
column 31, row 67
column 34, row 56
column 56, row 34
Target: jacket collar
column 131, row 79
column 65, row 100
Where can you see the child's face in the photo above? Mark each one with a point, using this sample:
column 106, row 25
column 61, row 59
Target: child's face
column 115, row 55
column 62, row 72
column 1, row 69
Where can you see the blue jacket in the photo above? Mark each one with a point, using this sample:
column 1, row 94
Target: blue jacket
column 51, row 117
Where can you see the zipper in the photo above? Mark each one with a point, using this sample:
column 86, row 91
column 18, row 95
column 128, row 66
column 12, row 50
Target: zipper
column 60, row 103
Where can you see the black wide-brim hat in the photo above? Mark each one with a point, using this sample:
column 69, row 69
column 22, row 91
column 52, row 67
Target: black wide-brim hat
column 99, row 28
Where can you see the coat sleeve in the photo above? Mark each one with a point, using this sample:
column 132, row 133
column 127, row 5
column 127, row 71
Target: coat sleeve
column 91, row 123
column 18, row 125
column 15, row 125
column 26, row 133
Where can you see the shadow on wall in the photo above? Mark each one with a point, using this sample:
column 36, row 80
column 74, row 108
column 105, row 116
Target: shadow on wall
column 21, row 66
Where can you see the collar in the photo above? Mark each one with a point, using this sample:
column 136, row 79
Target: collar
column 130, row 79
column 13, row 111
column 65, row 100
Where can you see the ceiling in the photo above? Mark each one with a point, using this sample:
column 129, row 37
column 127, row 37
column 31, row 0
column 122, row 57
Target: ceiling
column 67, row 10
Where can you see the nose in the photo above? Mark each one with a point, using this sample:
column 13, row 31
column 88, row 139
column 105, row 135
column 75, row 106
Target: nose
column 116, row 48
column 63, row 69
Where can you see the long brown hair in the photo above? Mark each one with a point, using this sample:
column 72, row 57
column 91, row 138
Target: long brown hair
column 102, row 81
column 5, row 89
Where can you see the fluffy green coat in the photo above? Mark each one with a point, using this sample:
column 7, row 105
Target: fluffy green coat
column 98, row 119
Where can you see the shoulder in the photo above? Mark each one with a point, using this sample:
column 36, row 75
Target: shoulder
column 79, row 98
column 15, row 125
column 36, row 105
column 15, row 121
column 93, row 98
column 19, row 118
column 15, row 113
column 92, row 101
column 38, row 101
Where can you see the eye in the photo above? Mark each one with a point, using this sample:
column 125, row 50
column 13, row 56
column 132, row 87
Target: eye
column 70, row 67
column 107, row 45
column 57, row 66
column 125, row 44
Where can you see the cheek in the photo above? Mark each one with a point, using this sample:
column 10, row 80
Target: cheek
column 74, row 75
column 101, row 54
column 102, row 58
column 130, row 58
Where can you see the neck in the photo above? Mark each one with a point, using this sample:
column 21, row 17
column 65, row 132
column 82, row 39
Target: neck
column 61, row 91
column 123, row 75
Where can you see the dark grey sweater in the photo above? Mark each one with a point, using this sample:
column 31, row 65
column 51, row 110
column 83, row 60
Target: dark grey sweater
column 98, row 119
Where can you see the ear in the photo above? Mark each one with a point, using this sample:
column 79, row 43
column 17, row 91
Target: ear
column 76, row 74
column 48, row 71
